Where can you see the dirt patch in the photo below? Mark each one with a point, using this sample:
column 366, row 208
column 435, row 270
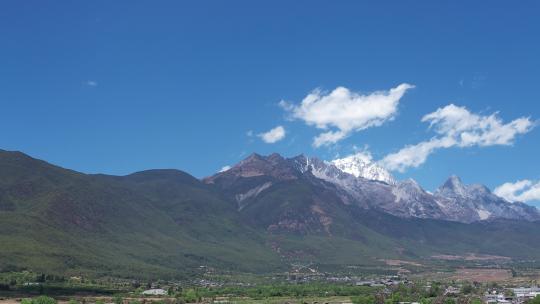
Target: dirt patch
column 401, row 263
column 10, row 301
column 482, row 275
column 471, row 257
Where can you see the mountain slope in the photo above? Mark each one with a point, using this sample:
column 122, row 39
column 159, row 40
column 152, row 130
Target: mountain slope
column 68, row 221
column 260, row 216
column 323, row 183
column 311, row 198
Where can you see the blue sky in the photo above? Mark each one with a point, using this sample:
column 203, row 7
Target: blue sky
column 117, row 87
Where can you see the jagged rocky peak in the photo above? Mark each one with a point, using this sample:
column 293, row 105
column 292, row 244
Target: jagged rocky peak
column 479, row 188
column 301, row 162
column 273, row 165
column 362, row 165
column 410, row 183
column 453, row 182
column 275, row 158
column 452, row 187
column 253, row 157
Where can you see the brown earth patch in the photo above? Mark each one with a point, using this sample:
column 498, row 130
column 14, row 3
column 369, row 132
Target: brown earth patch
column 482, row 275
column 401, row 262
column 471, row 257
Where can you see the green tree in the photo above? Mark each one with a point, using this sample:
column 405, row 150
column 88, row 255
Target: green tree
column 425, row 301
column 191, row 296
column 467, row 288
column 118, row 300
column 363, row 300
column 536, row 300
column 476, row 301
column 43, row 300
column 450, row 301
column 397, row 297
column 434, row 290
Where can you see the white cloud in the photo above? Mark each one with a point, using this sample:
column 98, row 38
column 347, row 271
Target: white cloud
column 274, row 135
column 327, row 138
column 225, row 168
column 345, row 111
column 91, row 83
column 520, row 191
column 471, row 129
column 414, row 155
column 457, row 127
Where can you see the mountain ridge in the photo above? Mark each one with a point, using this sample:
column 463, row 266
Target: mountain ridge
column 451, row 201
column 166, row 223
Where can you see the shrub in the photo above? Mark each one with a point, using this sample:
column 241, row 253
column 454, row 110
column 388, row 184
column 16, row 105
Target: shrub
column 191, row 296
column 118, row 300
column 363, row 300
column 536, row 300
column 43, row 300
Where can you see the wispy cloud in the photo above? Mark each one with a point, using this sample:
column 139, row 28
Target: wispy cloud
column 457, row 127
column 91, row 83
column 520, row 191
column 274, row 135
column 345, row 111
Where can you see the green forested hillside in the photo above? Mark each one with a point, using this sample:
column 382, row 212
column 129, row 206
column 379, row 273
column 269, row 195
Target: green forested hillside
column 56, row 220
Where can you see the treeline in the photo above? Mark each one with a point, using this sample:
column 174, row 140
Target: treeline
column 40, row 284
column 284, row 290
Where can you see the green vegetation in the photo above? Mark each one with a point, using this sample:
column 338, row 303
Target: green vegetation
column 66, row 223
column 285, row 290
column 363, row 299
column 536, row 300
column 39, row 300
column 321, row 292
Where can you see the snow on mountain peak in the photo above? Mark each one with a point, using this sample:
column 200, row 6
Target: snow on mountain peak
column 361, row 165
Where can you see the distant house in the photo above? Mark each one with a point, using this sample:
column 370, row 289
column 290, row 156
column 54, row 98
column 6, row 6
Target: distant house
column 526, row 293
column 451, row 290
column 497, row 298
column 155, row 292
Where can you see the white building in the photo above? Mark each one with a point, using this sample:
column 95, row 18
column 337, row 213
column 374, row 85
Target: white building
column 523, row 293
column 155, row 292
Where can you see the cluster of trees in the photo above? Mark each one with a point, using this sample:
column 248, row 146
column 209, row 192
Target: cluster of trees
column 39, row 300
column 418, row 293
column 287, row 290
column 194, row 296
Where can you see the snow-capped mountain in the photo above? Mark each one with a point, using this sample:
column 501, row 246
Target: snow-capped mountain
column 362, row 165
column 355, row 181
column 370, row 186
